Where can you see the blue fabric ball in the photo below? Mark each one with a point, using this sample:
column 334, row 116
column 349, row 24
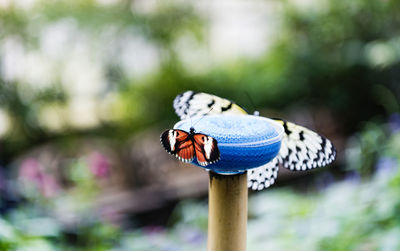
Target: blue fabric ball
column 244, row 141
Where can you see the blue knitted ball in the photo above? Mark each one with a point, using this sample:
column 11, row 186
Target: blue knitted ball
column 244, row 141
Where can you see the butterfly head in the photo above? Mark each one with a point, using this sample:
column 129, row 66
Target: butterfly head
column 192, row 131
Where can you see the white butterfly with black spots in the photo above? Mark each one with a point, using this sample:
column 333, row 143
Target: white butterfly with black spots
column 301, row 148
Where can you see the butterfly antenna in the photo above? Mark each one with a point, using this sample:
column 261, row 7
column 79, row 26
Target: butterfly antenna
column 252, row 104
column 203, row 116
column 190, row 117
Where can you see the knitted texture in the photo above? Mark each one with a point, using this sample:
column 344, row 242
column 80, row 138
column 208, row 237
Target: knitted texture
column 244, row 141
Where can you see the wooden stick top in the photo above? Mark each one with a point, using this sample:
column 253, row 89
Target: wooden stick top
column 227, row 212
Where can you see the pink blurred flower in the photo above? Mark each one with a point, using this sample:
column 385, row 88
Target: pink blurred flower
column 49, row 186
column 99, row 164
column 31, row 170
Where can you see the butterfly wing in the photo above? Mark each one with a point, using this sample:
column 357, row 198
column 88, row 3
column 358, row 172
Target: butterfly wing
column 206, row 148
column 190, row 104
column 264, row 176
column 178, row 143
column 303, row 149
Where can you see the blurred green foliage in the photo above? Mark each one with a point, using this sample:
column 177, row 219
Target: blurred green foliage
column 162, row 27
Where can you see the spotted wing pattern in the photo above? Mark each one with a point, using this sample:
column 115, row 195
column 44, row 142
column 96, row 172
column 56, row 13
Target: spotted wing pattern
column 264, row 176
column 190, row 104
column 301, row 148
column 207, row 151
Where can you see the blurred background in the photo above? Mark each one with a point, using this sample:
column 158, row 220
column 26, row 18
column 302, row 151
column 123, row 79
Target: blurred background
column 86, row 88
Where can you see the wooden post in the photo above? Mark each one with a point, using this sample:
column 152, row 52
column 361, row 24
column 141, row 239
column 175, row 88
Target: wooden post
column 227, row 212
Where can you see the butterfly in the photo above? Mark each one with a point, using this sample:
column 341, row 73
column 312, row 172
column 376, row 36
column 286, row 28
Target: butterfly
column 301, row 148
column 186, row 146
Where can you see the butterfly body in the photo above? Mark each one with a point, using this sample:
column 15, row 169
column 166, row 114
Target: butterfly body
column 189, row 145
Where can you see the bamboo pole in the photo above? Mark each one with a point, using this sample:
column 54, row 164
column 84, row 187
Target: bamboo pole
column 227, row 212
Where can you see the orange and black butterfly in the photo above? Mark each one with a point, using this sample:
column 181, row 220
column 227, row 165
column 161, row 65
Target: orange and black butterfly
column 186, row 146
